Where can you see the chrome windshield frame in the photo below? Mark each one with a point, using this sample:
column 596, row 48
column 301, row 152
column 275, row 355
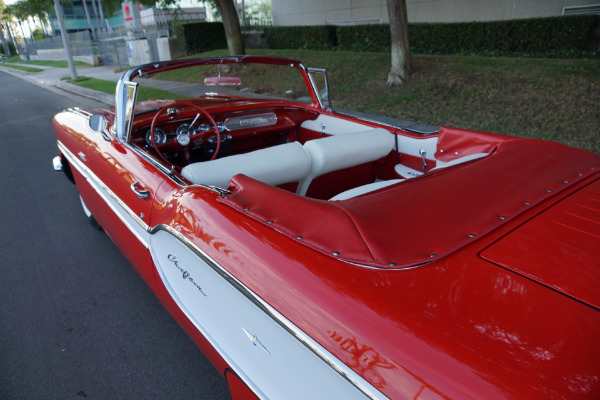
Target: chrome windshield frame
column 127, row 90
column 325, row 104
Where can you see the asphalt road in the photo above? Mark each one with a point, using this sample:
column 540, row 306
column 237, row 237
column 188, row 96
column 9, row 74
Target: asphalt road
column 76, row 321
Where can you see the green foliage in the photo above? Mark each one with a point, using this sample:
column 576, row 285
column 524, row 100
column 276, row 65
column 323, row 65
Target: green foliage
column 538, row 37
column 11, row 47
column 23, row 68
column 203, row 36
column 318, row 37
column 374, row 37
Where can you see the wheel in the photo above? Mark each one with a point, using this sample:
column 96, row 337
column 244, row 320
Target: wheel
column 89, row 215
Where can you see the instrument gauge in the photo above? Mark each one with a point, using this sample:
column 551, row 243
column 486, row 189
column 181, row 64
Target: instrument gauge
column 160, row 137
column 204, row 127
column 184, row 129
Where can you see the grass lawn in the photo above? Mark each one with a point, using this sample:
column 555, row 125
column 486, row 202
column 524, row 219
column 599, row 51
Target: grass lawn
column 22, row 68
column 47, row 63
column 145, row 93
column 554, row 99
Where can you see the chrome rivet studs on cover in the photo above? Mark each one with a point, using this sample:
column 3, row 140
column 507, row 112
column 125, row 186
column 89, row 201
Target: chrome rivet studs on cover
column 433, row 255
column 246, row 209
column 527, row 203
column 336, row 253
column 299, row 237
column 502, row 217
column 393, row 265
column 549, row 190
column 472, row 235
column 269, row 222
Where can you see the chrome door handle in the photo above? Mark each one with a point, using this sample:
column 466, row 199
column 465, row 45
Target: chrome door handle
column 141, row 194
column 423, row 153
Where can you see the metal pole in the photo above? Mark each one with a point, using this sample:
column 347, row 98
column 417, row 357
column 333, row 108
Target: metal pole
column 65, row 39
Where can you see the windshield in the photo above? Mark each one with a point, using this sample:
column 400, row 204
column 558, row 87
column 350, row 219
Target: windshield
column 223, row 81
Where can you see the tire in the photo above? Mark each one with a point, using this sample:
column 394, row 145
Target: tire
column 89, row 215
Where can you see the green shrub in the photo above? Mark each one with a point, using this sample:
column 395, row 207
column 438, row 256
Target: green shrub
column 364, row 37
column 204, row 36
column 314, row 37
column 12, row 48
column 540, row 37
column 537, row 36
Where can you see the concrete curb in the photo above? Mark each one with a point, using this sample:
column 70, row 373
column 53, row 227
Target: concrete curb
column 85, row 92
column 62, row 86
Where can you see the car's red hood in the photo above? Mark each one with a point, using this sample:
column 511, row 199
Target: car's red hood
column 559, row 248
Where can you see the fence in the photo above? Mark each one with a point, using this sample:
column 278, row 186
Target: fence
column 110, row 48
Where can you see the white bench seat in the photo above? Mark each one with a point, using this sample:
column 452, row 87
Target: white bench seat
column 275, row 165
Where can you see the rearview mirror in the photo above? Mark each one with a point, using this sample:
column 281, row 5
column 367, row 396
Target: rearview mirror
column 222, row 81
column 97, row 122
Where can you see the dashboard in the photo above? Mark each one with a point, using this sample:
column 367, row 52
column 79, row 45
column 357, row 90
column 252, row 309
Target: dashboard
column 185, row 135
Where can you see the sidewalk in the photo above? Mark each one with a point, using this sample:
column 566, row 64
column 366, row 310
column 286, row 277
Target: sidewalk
column 51, row 77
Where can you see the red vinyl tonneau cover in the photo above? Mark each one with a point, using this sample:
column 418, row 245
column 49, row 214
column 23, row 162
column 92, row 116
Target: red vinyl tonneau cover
column 560, row 248
column 422, row 219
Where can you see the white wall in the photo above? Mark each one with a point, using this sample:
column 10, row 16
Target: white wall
column 317, row 12
column 60, row 54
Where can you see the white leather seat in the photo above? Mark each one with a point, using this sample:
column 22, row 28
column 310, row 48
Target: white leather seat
column 275, row 165
column 369, row 187
column 343, row 151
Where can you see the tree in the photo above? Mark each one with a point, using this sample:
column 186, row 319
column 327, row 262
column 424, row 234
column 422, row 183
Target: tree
column 231, row 23
column 401, row 58
column 4, row 44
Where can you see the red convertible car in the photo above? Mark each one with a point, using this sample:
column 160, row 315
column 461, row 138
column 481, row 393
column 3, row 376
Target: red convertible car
column 313, row 253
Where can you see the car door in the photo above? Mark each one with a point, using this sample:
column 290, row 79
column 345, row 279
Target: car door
column 130, row 185
column 118, row 186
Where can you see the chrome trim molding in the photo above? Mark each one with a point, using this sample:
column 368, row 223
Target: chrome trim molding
column 342, row 369
column 102, row 189
column 170, row 174
column 323, row 354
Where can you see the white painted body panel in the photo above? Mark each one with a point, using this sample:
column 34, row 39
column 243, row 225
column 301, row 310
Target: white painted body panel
column 275, row 364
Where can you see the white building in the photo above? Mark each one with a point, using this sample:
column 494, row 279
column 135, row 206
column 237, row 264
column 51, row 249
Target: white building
column 344, row 12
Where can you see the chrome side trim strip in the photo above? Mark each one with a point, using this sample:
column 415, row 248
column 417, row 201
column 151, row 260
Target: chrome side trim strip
column 324, row 355
column 106, row 194
column 347, row 373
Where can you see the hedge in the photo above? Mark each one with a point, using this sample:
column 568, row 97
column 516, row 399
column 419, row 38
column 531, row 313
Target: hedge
column 529, row 36
column 556, row 36
column 204, row 36
column 314, row 37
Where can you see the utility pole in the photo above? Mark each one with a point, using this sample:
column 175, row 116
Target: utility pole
column 65, row 39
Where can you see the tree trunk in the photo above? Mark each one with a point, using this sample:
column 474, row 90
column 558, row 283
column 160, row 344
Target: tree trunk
column 95, row 10
column 11, row 36
column 4, row 44
column 102, row 22
column 89, row 20
column 231, row 23
column 401, row 58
